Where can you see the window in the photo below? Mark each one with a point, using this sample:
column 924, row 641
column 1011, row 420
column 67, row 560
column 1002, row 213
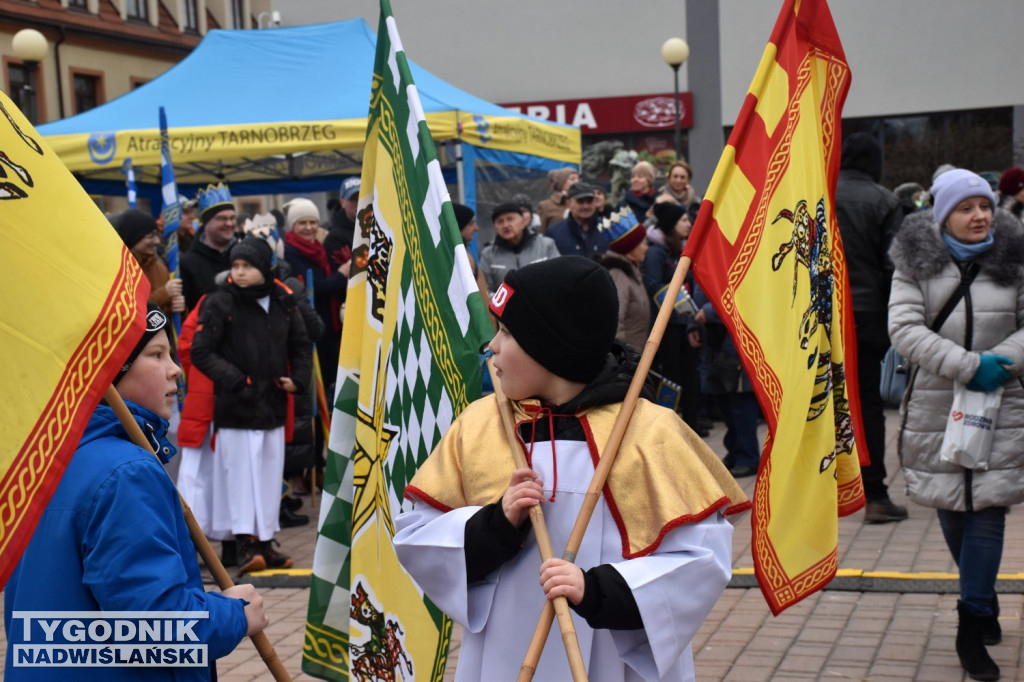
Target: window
column 914, row 146
column 190, row 16
column 78, row 4
column 22, row 90
column 87, row 90
column 138, row 9
column 237, row 13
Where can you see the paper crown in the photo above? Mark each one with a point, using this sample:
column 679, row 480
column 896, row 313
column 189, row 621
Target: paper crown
column 212, row 198
column 623, row 230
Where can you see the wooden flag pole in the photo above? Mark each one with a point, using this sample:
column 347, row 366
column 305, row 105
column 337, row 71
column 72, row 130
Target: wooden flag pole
column 560, row 605
column 220, row 574
column 611, row 450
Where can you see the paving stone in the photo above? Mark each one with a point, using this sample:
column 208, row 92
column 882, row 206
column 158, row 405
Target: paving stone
column 832, row 635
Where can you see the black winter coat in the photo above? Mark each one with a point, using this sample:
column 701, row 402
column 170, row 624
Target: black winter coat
column 199, row 268
column 300, row 451
column 640, row 204
column 244, row 350
column 869, row 216
column 324, row 288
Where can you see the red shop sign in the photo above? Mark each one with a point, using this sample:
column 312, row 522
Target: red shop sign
column 613, row 114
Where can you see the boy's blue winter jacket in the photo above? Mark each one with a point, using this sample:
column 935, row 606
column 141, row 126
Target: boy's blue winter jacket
column 113, row 538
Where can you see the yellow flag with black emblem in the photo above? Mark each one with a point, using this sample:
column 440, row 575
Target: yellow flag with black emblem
column 74, row 303
column 767, row 252
column 414, row 328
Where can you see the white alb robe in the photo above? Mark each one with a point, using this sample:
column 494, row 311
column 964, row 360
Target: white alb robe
column 195, row 483
column 675, row 587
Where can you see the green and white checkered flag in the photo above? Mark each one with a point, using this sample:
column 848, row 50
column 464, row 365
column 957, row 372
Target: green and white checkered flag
column 410, row 362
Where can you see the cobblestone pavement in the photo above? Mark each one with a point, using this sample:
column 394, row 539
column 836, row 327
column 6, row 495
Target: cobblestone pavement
column 901, row 628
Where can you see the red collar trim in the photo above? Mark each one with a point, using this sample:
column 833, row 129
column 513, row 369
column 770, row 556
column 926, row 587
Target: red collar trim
column 413, row 494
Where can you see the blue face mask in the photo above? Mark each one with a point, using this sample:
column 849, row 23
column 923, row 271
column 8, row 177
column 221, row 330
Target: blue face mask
column 964, row 252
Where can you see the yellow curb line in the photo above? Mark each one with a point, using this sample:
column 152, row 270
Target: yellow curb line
column 841, row 573
column 281, row 571
column 900, row 575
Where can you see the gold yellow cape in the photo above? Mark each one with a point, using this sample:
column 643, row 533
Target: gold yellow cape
column 664, row 475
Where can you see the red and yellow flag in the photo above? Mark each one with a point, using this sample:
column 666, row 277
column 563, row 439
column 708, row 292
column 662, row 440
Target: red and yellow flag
column 73, row 307
column 766, row 250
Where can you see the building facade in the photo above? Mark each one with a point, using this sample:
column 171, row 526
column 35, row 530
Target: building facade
column 929, row 76
column 100, row 49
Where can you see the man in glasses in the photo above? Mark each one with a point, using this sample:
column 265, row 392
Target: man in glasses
column 208, row 254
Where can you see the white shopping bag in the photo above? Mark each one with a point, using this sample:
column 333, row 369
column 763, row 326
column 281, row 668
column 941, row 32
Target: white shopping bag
column 970, row 427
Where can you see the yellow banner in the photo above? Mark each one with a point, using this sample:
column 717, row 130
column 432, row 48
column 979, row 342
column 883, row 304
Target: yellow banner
column 73, row 298
column 260, row 142
column 409, row 363
column 766, row 250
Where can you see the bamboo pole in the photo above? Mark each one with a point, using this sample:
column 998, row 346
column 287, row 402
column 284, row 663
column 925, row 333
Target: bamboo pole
column 611, row 450
column 560, row 605
column 220, row 574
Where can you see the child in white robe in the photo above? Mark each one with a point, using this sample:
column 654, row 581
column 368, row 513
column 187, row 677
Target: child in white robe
column 252, row 343
column 657, row 552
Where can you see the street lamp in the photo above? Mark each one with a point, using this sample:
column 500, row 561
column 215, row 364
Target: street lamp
column 674, row 52
column 30, row 47
column 274, row 17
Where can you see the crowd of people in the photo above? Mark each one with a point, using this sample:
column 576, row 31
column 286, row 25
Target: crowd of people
column 573, row 284
column 937, row 274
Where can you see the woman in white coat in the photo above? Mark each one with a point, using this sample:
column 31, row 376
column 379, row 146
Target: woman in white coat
column 980, row 345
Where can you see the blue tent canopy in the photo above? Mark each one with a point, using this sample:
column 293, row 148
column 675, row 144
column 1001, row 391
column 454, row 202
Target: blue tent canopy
column 282, row 110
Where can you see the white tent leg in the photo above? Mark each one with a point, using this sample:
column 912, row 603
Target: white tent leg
column 458, row 173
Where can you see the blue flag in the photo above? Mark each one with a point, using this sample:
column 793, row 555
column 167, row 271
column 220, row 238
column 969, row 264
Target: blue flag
column 129, row 172
column 170, row 213
column 170, row 210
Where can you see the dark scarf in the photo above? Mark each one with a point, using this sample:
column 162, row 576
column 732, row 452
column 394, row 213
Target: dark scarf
column 312, row 250
column 255, row 292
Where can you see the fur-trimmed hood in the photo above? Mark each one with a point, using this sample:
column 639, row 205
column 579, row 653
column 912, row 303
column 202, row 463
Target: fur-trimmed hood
column 919, row 251
column 616, row 261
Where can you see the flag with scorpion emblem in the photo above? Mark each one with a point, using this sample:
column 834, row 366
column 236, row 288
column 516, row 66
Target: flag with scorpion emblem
column 766, row 250
column 74, row 307
column 414, row 329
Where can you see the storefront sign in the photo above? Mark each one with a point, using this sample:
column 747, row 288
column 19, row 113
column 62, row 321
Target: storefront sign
column 613, row 114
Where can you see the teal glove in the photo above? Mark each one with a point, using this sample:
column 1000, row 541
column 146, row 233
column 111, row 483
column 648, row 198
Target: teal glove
column 991, row 374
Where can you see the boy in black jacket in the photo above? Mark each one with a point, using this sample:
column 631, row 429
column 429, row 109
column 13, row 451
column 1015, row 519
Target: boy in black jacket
column 252, row 343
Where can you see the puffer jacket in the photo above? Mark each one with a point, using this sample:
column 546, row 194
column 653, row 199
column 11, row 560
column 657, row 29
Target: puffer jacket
column 992, row 311
column 244, row 349
column 634, row 306
column 113, row 538
column 499, row 258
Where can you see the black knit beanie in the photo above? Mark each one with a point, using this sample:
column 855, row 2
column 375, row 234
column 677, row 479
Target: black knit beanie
column 133, row 225
column 156, row 321
column 668, row 213
column 563, row 312
column 463, row 214
column 256, row 252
